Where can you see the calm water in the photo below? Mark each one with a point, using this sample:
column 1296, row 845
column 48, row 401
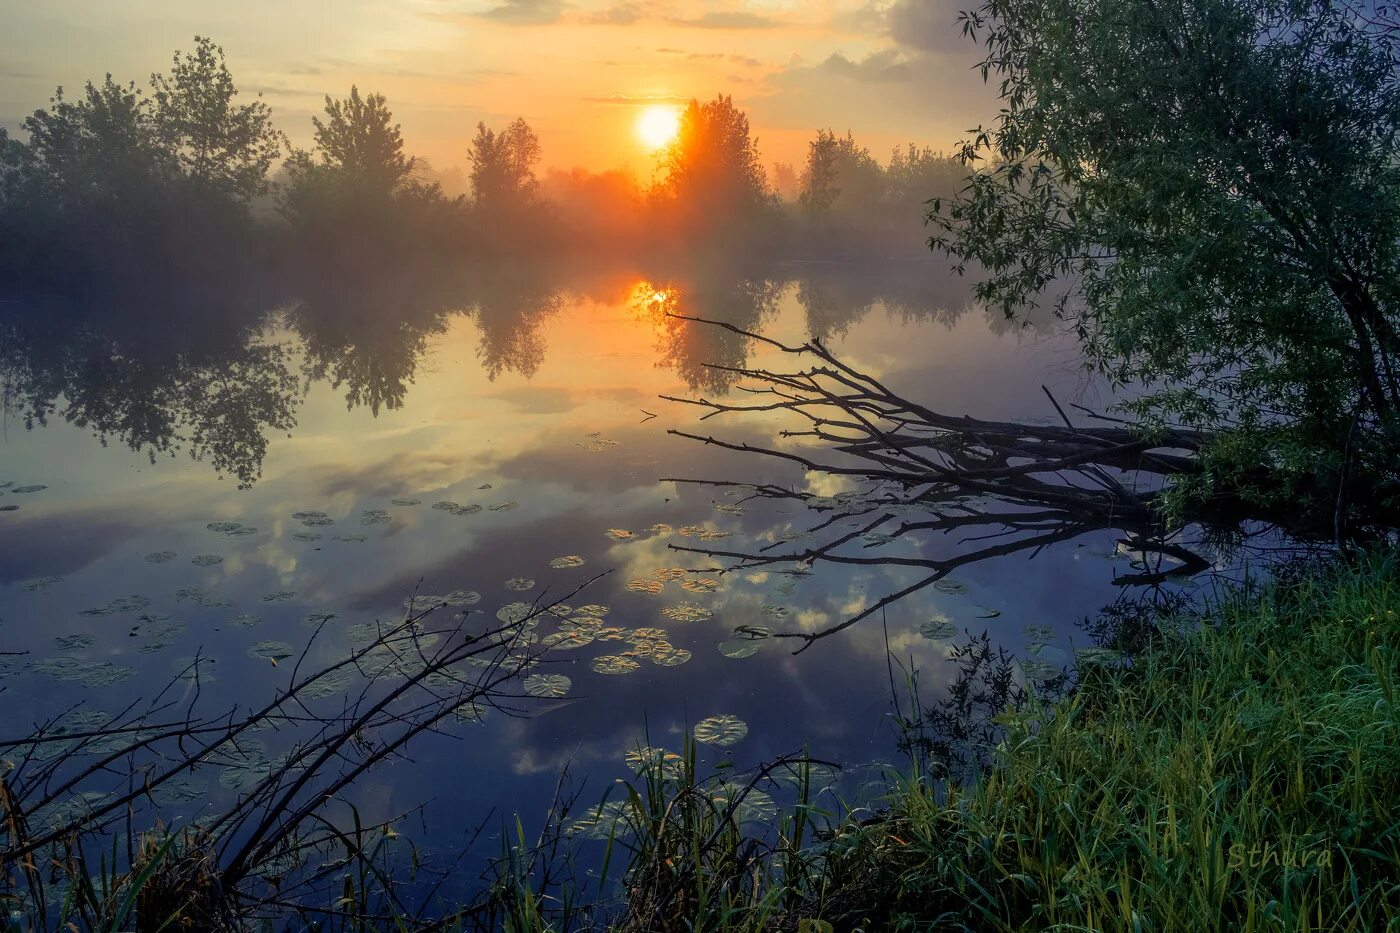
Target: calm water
column 530, row 399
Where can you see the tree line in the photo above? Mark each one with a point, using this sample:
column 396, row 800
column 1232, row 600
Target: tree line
column 118, row 175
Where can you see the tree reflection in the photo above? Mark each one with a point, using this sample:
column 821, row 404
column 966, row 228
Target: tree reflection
column 216, row 393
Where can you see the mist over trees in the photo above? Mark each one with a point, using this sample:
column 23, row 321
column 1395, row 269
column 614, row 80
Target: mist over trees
column 121, row 182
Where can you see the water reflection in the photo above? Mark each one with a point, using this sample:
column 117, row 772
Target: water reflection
column 219, row 375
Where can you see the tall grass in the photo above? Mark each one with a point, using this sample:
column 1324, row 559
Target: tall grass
column 1242, row 774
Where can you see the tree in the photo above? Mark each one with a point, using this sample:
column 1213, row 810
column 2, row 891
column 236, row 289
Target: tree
column 99, row 151
column 503, row 166
column 1212, row 187
column 217, row 142
column 840, row 177
column 359, row 142
column 714, row 178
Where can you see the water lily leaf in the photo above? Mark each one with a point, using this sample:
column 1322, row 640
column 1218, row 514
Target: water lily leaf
column 940, row 629
column 608, row 821
column 1038, row 632
column 271, row 650
column 207, row 560
column 374, row 517
column 722, row 731
column 738, row 648
column 651, row 587
column 281, row 596
column 23, row 490
column 753, row 632
column 303, row 516
column 614, row 664
column 547, row 685
column 986, row 612
column 619, row 534
column 232, row 529
column 570, row 560
column 405, row 503
column 674, row 658
column 520, row 584
column 1104, row 656
column 120, row 604
column 702, row 585
column 686, row 612
column 317, row 618
column 951, row 587
column 750, row 804
column 462, row 598
column 512, row 613
column 305, row 536
column 646, row 759
column 77, row 642
column 505, row 506
column 592, row 610
column 661, row 528
column 351, row 539
column 245, row 620
column 161, row 557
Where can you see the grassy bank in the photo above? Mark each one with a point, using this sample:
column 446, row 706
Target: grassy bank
column 1243, row 774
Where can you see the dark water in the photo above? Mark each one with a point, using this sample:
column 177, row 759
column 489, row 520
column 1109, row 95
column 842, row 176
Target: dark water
column 529, row 399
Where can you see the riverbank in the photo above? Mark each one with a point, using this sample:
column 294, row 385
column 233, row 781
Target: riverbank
column 1243, row 773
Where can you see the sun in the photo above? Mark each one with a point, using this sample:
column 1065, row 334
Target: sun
column 657, row 126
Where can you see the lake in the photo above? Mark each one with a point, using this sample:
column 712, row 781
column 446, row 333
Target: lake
column 393, row 441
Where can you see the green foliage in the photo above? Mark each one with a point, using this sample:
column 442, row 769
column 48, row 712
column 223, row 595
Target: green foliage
column 839, row 176
column 360, row 145
column 217, row 142
column 1209, row 190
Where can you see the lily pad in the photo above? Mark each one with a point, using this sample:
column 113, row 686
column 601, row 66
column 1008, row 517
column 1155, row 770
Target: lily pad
column 738, row 648
column 646, row 759
column 547, row 685
column 374, row 517
column 749, row 803
column 674, row 658
column 722, row 731
column 651, row 587
column 753, row 632
column 78, row 642
column 305, row 536
column 207, row 560
column 951, row 587
column 505, row 506
column 512, row 613
column 702, row 585
column 619, row 534
column 351, row 539
column 570, row 560
column 271, row 650
column 462, row 598
column 940, row 629
column 161, row 557
column 231, row 529
column 22, row 490
column 405, row 503
column 614, row 664
column 686, row 612
column 245, row 620
column 520, row 584
column 281, row 596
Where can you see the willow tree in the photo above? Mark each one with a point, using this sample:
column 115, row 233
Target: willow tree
column 1209, row 191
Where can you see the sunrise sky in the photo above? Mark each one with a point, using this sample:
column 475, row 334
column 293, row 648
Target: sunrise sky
column 890, row 71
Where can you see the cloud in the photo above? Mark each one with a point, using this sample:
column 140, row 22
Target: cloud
column 629, row 101
column 720, row 56
column 927, row 25
column 526, row 12
column 727, row 19
column 886, row 65
column 624, row 14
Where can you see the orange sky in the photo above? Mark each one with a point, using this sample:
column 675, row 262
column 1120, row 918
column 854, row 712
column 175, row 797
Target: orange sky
column 890, row 71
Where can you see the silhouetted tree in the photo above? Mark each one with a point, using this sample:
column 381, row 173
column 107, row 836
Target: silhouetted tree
column 216, row 142
column 840, row 178
column 503, row 166
column 714, row 180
